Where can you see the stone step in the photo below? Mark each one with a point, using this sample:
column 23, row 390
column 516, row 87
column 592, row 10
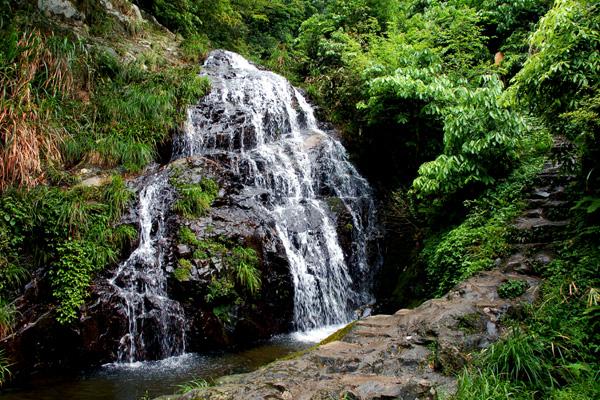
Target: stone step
column 528, row 230
column 553, row 210
column 532, row 248
column 526, row 223
column 378, row 321
column 550, row 192
column 527, row 264
column 557, row 210
column 533, row 213
column 553, row 178
column 367, row 332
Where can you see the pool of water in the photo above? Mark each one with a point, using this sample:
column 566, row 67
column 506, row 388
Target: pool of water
column 152, row 379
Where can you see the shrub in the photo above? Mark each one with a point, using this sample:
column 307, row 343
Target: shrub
column 195, row 199
column 245, row 263
column 518, row 358
column 512, row 288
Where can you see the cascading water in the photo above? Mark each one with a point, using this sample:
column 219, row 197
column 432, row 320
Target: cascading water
column 261, row 128
column 258, row 126
column 156, row 324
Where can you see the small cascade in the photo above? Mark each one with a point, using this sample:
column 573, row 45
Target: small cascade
column 263, row 130
column 156, row 324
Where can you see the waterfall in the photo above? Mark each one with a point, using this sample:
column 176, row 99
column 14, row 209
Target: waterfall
column 141, row 284
column 260, row 127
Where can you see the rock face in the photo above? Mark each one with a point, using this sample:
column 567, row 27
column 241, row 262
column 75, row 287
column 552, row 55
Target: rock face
column 234, row 217
column 41, row 344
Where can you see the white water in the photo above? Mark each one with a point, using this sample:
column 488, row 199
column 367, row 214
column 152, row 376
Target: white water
column 141, row 285
column 264, row 130
column 261, row 128
column 317, row 334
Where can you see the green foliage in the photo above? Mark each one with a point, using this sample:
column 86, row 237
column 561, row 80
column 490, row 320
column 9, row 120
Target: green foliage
column 71, row 277
column 136, row 112
column 454, row 255
column 224, row 312
column 187, row 236
column 182, row 272
column 480, row 139
column 219, row 290
column 193, row 385
column 195, row 198
column 559, row 82
column 195, row 47
column 116, row 196
column 8, row 317
column 245, row 262
column 422, row 80
column 518, row 358
column 70, row 230
column 554, row 351
column 239, row 25
column 4, row 368
column 236, row 276
column 484, row 386
column 565, row 66
column 512, row 288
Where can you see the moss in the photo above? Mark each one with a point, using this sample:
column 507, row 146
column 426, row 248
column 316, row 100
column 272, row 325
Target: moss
column 470, row 323
column 336, row 336
column 339, row 334
column 183, row 271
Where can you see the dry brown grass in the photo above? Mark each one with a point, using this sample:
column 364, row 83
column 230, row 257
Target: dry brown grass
column 27, row 136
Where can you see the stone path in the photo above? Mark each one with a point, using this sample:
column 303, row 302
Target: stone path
column 411, row 354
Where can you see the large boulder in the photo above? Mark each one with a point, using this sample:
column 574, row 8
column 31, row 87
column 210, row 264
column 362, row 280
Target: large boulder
column 60, row 8
column 237, row 219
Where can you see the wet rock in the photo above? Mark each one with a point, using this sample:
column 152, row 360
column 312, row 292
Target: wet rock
column 240, row 220
column 183, row 250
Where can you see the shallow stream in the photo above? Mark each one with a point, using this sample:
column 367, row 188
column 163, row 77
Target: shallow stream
column 143, row 380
